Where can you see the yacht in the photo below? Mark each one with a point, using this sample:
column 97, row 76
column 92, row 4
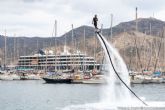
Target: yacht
column 62, row 62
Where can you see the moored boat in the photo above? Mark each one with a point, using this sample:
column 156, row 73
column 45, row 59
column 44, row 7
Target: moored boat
column 6, row 77
column 54, row 80
column 96, row 79
column 54, row 77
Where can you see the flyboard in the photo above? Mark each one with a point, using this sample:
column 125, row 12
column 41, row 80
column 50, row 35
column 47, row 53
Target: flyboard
column 101, row 37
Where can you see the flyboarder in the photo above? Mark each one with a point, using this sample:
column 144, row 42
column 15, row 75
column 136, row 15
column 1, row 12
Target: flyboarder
column 94, row 22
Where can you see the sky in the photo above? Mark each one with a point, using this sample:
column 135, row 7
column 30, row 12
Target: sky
column 36, row 17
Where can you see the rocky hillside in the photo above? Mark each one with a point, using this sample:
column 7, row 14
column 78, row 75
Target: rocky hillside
column 145, row 25
column 140, row 51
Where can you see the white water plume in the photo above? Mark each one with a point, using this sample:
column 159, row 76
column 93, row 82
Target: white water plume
column 114, row 93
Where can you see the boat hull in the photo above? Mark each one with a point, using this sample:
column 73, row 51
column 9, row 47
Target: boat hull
column 49, row 80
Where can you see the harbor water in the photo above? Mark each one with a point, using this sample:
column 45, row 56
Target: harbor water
column 37, row 95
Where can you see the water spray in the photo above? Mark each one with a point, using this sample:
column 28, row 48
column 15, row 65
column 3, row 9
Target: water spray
column 99, row 35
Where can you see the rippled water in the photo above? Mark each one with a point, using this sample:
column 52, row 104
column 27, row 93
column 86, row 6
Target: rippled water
column 36, row 95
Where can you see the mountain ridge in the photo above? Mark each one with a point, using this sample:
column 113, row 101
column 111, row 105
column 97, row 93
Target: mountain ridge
column 30, row 45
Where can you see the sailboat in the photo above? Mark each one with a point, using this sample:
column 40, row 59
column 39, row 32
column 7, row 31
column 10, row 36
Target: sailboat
column 55, row 76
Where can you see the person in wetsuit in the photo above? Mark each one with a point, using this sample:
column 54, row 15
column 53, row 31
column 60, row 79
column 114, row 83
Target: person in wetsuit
column 94, row 21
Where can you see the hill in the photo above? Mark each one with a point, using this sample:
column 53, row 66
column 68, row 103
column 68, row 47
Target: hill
column 29, row 45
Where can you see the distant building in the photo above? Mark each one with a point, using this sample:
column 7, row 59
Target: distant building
column 59, row 62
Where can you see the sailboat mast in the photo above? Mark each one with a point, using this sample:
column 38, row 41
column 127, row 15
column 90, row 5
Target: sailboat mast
column 65, row 44
column 111, row 25
column 46, row 43
column 24, row 53
column 136, row 19
column 84, row 65
column 72, row 38
column 150, row 28
column 65, row 52
column 164, row 54
column 55, row 45
column 159, row 49
column 37, row 56
column 124, row 45
column 14, row 48
column 135, row 38
column 94, row 48
column 5, row 53
column 72, row 45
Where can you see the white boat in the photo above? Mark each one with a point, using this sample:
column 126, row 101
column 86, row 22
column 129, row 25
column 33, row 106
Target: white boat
column 5, row 77
column 97, row 79
column 140, row 79
column 34, row 77
column 137, row 81
column 15, row 77
column 157, row 80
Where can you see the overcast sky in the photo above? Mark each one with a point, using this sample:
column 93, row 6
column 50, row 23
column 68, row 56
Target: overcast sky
column 36, row 17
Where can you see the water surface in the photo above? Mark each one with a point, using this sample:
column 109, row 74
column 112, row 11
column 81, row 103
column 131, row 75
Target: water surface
column 36, row 95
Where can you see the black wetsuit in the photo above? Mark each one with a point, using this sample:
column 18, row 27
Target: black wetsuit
column 95, row 22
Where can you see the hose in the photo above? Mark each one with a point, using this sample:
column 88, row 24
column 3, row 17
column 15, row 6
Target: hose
column 117, row 72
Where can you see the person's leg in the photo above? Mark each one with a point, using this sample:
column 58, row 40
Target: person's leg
column 95, row 24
